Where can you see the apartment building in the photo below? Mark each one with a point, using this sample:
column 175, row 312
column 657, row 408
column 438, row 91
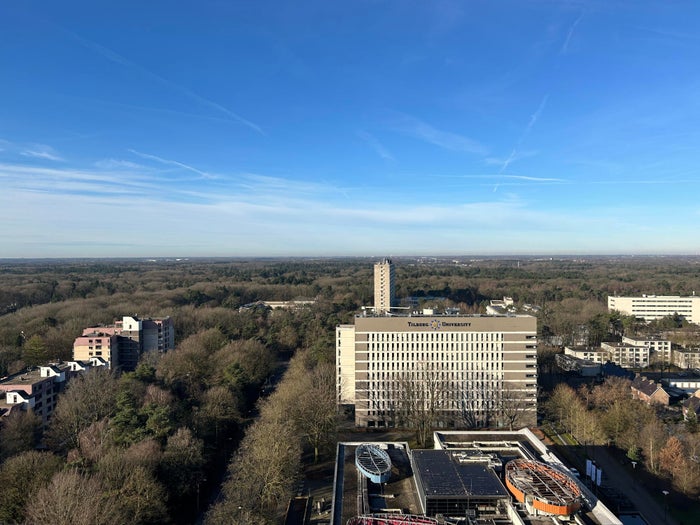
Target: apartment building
column 37, row 389
column 588, row 353
column 659, row 348
column 123, row 343
column 627, row 355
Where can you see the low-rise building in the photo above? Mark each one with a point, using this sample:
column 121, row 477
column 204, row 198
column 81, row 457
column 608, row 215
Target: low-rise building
column 686, row 357
column 691, row 405
column 627, row 355
column 587, row 353
column 659, row 347
column 36, row 390
column 649, row 391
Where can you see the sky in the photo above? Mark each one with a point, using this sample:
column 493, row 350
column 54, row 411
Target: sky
column 363, row 127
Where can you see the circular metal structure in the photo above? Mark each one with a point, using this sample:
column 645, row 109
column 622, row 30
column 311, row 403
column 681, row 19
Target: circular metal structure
column 542, row 488
column 373, row 462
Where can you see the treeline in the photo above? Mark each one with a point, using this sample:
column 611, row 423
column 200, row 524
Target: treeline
column 54, row 302
column 300, row 415
column 151, row 446
column 141, row 447
column 607, row 415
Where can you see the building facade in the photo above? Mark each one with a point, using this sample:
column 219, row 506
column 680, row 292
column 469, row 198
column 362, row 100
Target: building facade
column 471, row 371
column 659, row 348
column 123, row 343
column 95, row 343
column 383, row 286
column 626, row 355
column 651, row 307
column 587, row 353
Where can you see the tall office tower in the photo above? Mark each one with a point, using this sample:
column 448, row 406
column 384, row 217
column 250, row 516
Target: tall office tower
column 383, row 286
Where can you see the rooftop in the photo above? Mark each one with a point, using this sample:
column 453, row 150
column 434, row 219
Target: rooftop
column 444, row 474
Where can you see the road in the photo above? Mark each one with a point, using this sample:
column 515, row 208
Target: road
column 622, row 480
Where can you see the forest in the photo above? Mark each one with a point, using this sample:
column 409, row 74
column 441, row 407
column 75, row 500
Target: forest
column 221, row 428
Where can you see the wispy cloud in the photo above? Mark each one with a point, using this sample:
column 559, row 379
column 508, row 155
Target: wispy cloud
column 671, row 34
column 443, row 139
column 534, row 179
column 565, row 47
column 41, row 151
column 170, row 162
column 125, row 62
column 531, row 123
column 109, row 164
column 377, row 146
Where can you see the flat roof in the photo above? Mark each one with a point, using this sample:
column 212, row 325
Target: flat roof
column 443, row 475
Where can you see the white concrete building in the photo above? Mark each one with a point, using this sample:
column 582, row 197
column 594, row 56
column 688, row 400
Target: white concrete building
column 588, row 353
column 651, row 307
column 659, row 348
column 626, row 355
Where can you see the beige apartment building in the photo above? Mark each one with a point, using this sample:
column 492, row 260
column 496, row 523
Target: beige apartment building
column 122, row 343
column 383, row 286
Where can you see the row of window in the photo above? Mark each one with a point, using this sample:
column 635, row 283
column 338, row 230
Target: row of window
column 434, row 336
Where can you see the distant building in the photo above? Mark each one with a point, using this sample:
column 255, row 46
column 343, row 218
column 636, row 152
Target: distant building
column 649, row 391
column 97, row 344
column 289, row 305
column 383, row 286
column 34, row 390
column 692, row 404
column 689, row 385
column 582, row 367
column 626, row 355
column 659, row 347
column 123, row 343
column 651, row 307
column 587, row 353
column 687, row 358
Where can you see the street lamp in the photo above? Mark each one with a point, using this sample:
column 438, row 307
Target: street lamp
column 665, row 493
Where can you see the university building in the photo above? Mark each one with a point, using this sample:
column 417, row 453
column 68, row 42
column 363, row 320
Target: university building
column 470, row 371
column 651, row 307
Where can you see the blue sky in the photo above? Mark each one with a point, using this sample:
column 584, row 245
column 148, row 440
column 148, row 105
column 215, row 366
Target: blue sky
column 264, row 128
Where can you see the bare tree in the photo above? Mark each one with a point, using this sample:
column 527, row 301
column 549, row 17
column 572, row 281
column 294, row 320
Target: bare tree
column 512, row 407
column 19, row 432
column 74, row 499
column 652, row 438
column 318, row 417
column 261, row 475
column 87, row 399
column 421, row 396
column 21, row 476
